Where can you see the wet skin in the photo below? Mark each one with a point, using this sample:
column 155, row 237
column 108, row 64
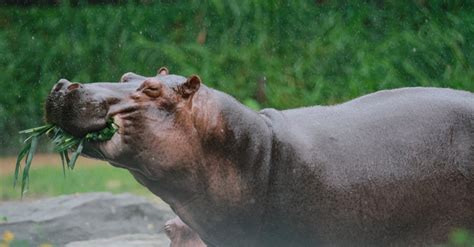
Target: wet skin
column 390, row 168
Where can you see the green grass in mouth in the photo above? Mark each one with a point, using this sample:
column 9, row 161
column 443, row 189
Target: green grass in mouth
column 63, row 143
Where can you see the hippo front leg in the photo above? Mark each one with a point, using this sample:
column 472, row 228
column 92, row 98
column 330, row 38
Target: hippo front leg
column 181, row 235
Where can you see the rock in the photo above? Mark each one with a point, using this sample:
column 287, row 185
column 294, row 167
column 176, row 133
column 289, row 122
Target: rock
column 71, row 218
column 129, row 240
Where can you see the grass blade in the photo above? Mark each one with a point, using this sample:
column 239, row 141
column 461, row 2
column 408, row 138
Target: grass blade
column 29, row 158
column 63, row 163
column 66, row 156
column 20, row 157
column 62, row 141
column 64, row 145
column 76, row 154
column 40, row 129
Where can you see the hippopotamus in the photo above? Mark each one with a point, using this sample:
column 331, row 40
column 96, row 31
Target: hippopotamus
column 391, row 168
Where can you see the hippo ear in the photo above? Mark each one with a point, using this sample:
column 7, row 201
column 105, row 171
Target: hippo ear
column 189, row 87
column 163, row 71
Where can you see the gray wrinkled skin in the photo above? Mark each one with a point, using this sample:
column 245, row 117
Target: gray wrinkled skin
column 393, row 168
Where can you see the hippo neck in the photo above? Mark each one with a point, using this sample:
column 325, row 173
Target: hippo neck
column 233, row 167
column 241, row 143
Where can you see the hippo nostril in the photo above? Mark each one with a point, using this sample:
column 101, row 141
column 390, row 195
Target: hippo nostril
column 60, row 85
column 126, row 77
column 129, row 76
column 73, row 86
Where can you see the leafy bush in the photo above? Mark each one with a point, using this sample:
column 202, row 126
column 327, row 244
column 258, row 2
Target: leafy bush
column 266, row 53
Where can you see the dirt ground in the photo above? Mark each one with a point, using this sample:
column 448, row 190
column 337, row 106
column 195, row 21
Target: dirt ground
column 7, row 164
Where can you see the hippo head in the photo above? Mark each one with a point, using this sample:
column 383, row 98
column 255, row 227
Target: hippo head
column 154, row 118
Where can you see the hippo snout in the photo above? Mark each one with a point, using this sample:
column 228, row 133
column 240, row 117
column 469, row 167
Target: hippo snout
column 78, row 108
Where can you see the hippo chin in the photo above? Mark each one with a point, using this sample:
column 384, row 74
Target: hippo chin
column 393, row 168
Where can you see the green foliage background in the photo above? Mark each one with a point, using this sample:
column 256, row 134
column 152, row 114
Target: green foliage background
column 309, row 52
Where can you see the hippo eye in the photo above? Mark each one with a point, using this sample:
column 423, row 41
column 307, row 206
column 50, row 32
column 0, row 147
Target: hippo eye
column 152, row 92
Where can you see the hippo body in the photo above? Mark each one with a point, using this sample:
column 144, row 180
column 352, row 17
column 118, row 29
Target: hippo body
column 393, row 167
column 390, row 168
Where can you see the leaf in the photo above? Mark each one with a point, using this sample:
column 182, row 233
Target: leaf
column 29, row 158
column 63, row 163
column 76, row 154
column 62, row 141
column 40, row 129
column 66, row 156
column 20, row 157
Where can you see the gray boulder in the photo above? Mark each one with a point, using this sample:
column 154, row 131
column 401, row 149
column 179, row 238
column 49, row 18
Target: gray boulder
column 129, row 240
column 82, row 217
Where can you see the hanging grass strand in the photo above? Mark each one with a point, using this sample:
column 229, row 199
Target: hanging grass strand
column 63, row 143
column 29, row 157
column 75, row 155
column 21, row 155
column 63, row 163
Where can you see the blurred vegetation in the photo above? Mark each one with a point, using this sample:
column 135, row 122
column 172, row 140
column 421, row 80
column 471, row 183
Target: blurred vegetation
column 48, row 180
column 278, row 54
column 460, row 238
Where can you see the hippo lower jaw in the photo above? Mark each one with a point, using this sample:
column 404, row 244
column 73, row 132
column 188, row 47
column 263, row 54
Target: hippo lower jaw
column 110, row 149
column 118, row 151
